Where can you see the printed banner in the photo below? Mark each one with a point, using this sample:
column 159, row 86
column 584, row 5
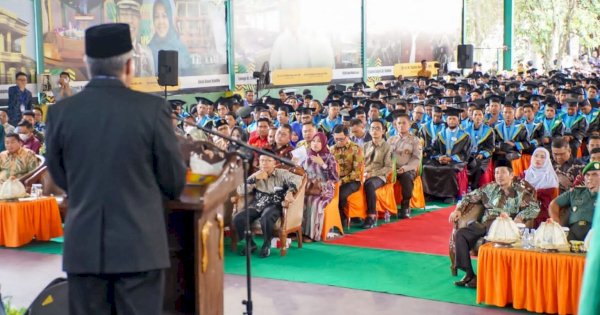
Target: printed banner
column 293, row 35
column 411, row 69
column 431, row 31
column 17, row 42
column 194, row 28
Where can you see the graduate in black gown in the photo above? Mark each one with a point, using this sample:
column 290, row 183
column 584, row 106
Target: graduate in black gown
column 451, row 150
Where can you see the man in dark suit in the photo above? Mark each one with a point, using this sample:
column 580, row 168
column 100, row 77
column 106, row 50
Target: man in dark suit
column 19, row 99
column 114, row 152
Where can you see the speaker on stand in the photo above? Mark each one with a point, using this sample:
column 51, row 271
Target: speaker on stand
column 168, row 68
column 465, row 56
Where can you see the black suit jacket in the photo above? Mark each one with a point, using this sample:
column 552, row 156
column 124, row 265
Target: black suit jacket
column 114, row 152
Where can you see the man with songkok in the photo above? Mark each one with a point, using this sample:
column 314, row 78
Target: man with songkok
column 115, row 247
column 16, row 160
column 270, row 187
column 506, row 197
column 451, row 149
column 407, row 150
column 482, row 146
column 350, row 159
column 581, row 203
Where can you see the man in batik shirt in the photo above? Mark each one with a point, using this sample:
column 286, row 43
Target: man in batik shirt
column 505, row 197
column 16, row 161
column 350, row 159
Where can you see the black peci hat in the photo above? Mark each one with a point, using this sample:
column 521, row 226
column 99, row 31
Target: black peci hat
column 107, row 40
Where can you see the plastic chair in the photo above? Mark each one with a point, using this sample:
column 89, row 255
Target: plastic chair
column 517, row 166
column 331, row 214
column 356, row 207
column 386, row 201
column 488, row 174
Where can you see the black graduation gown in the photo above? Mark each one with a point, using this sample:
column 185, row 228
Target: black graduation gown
column 535, row 138
column 577, row 131
column 485, row 147
column 441, row 180
column 518, row 136
column 557, row 130
column 428, row 136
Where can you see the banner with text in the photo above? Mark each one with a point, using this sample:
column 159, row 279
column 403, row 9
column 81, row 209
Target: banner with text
column 298, row 39
column 430, row 32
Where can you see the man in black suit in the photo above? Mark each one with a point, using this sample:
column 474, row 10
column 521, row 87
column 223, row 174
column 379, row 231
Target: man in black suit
column 114, row 152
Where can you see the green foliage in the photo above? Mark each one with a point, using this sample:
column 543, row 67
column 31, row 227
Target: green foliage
column 546, row 27
column 10, row 310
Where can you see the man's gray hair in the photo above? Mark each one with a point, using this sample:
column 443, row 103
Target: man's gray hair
column 112, row 66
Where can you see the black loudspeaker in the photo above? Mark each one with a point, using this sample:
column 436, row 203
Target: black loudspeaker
column 168, row 67
column 465, row 56
column 53, row 300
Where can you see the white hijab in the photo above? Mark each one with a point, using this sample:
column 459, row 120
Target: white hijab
column 544, row 177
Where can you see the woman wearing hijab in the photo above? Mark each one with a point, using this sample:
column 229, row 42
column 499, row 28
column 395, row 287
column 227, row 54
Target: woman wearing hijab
column 166, row 37
column 321, row 170
column 542, row 177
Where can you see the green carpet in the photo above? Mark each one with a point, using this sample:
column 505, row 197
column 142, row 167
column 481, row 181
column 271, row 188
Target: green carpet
column 52, row 247
column 416, row 275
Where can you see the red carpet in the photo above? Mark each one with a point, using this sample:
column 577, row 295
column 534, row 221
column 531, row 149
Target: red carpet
column 426, row 233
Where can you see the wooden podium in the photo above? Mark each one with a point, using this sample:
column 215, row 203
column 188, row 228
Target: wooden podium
column 194, row 283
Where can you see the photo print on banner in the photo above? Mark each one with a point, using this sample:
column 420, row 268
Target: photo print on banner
column 195, row 28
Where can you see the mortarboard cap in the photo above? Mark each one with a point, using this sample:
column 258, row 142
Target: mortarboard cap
column 203, row 100
column 244, row 112
column 453, row 111
column 356, row 111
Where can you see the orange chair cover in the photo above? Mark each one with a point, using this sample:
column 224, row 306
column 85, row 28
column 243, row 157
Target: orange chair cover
column 417, row 201
column 517, row 165
column 525, row 161
column 21, row 221
column 331, row 214
column 357, row 204
column 386, row 199
column 580, row 151
column 531, row 280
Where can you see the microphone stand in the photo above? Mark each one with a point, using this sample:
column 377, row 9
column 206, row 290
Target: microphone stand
column 246, row 157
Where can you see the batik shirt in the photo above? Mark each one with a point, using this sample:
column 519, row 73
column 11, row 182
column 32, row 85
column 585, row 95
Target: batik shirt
column 350, row 160
column 520, row 202
column 17, row 164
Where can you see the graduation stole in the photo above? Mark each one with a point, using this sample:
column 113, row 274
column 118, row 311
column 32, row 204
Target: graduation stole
column 570, row 121
column 593, row 115
column 478, row 136
column 550, row 125
column 433, row 129
column 510, row 132
column 530, row 128
column 450, row 138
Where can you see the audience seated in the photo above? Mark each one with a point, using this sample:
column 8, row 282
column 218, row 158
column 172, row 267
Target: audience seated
column 504, row 197
column 282, row 146
column 321, row 169
column 16, row 161
column 580, row 203
column 567, row 168
column 450, row 153
column 270, row 187
column 29, row 116
column 543, row 178
column 482, row 146
column 350, row 160
column 378, row 165
column 30, row 142
column 359, row 135
column 259, row 138
column 407, row 151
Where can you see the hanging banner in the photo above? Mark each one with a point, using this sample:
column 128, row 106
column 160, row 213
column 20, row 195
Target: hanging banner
column 194, row 28
column 298, row 40
column 17, row 44
column 431, row 31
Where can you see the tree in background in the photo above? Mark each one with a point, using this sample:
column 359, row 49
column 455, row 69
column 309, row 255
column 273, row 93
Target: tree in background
column 484, row 30
column 546, row 28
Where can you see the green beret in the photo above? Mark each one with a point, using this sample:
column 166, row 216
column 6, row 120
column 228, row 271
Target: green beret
column 593, row 166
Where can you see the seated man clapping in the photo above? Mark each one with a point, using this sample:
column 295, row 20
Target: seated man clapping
column 270, row 187
column 580, row 202
column 506, row 197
